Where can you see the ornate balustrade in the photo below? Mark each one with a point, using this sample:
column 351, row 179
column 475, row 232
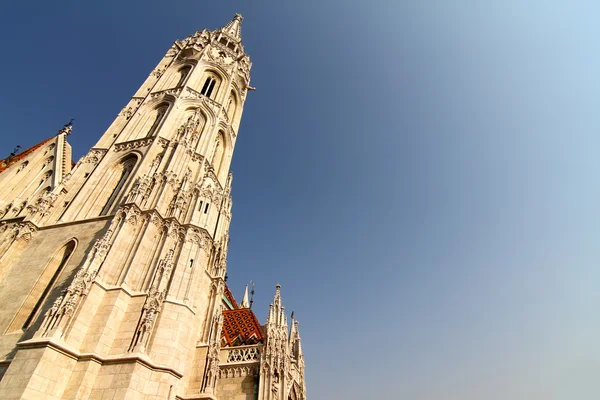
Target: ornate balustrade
column 241, row 354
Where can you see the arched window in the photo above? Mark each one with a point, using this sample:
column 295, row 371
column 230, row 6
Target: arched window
column 183, row 74
column 232, row 107
column 219, row 152
column 38, row 295
column 47, row 161
column 118, row 180
column 209, row 86
column 160, row 112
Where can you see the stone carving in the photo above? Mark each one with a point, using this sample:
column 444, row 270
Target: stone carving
column 93, row 156
column 173, row 51
column 153, row 304
column 158, row 72
column 45, row 203
column 141, row 190
column 132, row 144
column 214, row 348
column 190, row 93
column 237, row 372
column 127, row 112
column 162, row 93
column 247, row 354
column 25, row 231
column 132, row 216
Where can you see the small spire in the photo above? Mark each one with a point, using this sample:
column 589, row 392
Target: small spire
column 234, row 28
column 245, row 302
column 67, row 128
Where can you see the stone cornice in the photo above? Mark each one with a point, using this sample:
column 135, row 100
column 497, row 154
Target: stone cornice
column 69, row 352
column 132, row 144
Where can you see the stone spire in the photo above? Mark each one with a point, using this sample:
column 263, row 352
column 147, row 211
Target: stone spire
column 277, row 316
column 234, row 28
column 245, row 301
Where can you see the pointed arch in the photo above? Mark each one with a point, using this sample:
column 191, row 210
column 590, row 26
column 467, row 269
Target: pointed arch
column 183, row 72
column 156, row 117
column 219, row 152
column 211, row 81
column 118, row 177
column 232, row 106
column 31, row 307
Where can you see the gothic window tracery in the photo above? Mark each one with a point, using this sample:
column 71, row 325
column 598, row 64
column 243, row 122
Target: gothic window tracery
column 118, row 179
column 219, row 153
column 160, row 111
column 211, row 85
column 232, row 107
column 183, row 74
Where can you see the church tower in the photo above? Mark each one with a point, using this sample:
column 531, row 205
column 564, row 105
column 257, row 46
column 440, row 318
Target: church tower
column 113, row 270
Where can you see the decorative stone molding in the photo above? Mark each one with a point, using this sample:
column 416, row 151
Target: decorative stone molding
column 163, row 142
column 153, row 304
column 127, row 112
column 214, row 348
column 190, row 93
column 93, row 156
column 132, row 144
column 243, row 354
column 168, row 92
column 158, row 72
column 25, row 232
column 237, row 372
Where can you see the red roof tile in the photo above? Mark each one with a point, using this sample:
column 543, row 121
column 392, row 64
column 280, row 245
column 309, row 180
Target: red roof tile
column 7, row 162
column 240, row 327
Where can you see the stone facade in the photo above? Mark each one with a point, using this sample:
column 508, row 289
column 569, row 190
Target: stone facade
column 112, row 270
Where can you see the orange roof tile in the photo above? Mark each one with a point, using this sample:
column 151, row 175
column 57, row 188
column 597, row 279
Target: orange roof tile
column 240, row 327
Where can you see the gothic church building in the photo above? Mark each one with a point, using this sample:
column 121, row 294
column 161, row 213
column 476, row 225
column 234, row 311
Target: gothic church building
column 112, row 270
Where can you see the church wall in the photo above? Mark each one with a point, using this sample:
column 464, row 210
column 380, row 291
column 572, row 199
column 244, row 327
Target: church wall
column 240, row 388
column 24, row 271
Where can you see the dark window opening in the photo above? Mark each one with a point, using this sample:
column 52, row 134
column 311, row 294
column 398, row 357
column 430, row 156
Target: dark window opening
column 208, row 87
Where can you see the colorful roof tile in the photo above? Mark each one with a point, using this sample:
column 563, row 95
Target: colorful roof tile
column 229, row 297
column 240, row 327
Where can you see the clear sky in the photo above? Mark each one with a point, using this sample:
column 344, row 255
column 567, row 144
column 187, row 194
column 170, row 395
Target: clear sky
column 421, row 177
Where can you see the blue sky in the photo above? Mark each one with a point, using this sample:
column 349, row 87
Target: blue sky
column 420, row 177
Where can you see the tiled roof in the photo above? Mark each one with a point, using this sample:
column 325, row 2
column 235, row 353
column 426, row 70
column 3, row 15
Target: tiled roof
column 240, row 327
column 229, row 296
column 7, row 162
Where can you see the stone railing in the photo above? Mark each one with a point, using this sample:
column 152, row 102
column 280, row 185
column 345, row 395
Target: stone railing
column 242, row 354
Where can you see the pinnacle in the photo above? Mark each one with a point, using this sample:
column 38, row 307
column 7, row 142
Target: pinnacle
column 233, row 29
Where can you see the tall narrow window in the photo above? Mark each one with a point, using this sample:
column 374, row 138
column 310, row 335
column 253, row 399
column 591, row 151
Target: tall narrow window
column 38, row 295
column 183, row 73
column 208, row 87
column 123, row 171
column 217, row 158
column 231, row 107
column 160, row 113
